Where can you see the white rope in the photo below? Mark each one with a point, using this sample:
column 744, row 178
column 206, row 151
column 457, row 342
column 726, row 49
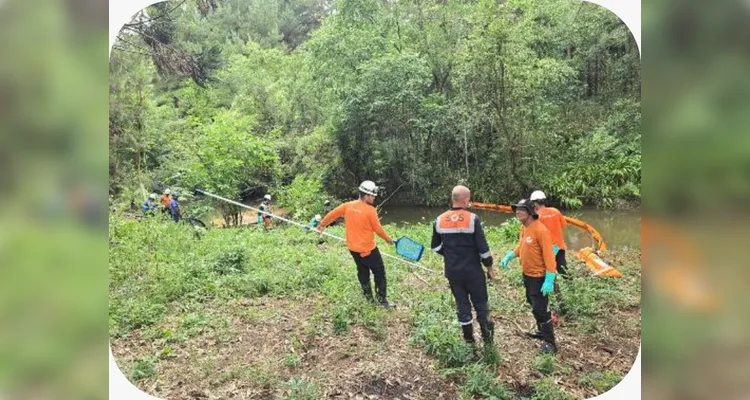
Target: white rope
column 305, row 227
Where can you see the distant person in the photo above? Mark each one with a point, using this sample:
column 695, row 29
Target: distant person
column 150, row 206
column 174, row 208
column 166, row 201
column 362, row 224
column 457, row 235
column 265, row 206
column 539, row 270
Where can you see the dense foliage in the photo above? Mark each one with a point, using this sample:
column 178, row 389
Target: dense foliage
column 241, row 97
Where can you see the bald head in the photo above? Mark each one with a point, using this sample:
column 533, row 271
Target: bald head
column 460, row 196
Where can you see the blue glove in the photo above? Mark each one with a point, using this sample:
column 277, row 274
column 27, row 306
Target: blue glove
column 510, row 255
column 549, row 283
column 555, row 249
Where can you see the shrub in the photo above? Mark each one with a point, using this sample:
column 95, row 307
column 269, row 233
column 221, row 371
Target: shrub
column 481, row 382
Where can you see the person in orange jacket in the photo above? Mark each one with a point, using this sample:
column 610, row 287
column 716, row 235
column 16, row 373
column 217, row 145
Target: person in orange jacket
column 553, row 219
column 362, row 223
column 539, row 269
column 166, row 201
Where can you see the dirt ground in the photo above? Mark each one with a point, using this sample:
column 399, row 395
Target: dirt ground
column 351, row 366
column 251, row 348
column 231, row 362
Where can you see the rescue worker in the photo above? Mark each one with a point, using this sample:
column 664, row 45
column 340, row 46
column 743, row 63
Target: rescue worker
column 327, row 207
column 174, row 209
column 165, row 200
column 457, row 235
column 265, row 205
column 362, row 223
column 553, row 219
column 539, row 270
column 150, row 206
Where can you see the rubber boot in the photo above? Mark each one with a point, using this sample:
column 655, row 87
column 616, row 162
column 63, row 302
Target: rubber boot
column 468, row 333
column 548, row 335
column 367, row 291
column 488, row 331
column 380, row 289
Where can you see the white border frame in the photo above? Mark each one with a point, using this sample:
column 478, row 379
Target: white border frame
column 120, row 12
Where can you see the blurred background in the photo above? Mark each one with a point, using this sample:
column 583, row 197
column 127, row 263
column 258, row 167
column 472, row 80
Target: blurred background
column 696, row 186
column 53, row 199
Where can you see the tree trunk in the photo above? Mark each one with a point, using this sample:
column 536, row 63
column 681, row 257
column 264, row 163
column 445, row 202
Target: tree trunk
column 466, row 151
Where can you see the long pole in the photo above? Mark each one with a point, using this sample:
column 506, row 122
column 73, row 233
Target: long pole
column 199, row 191
column 387, row 198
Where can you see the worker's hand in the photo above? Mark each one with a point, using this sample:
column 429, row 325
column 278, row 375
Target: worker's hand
column 549, row 283
column 555, row 249
column 491, row 273
column 510, row 255
column 319, row 229
column 391, row 242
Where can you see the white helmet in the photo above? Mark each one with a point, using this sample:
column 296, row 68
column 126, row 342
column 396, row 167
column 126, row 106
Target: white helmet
column 167, row 191
column 368, row 187
column 153, row 196
column 318, row 217
column 537, row 195
column 267, row 197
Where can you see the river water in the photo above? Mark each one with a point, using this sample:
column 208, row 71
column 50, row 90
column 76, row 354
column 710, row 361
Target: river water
column 620, row 229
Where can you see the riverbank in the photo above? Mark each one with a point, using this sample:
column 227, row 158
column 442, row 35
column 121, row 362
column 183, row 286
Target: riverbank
column 250, row 314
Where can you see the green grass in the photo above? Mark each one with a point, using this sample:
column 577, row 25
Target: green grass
column 292, row 360
column 491, row 356
column 481, row 382
column 262, row 375
column 299, row 388
column 547, row 389
column 545, row 363
column 435, row 328
column 600, row 381
column 142, row 369
column 171, row 289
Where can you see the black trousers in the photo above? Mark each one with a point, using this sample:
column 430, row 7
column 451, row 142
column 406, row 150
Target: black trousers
column 470, row 290
column 562, row 263
column 562, row 270
column 372, row 263
column 539, row 302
